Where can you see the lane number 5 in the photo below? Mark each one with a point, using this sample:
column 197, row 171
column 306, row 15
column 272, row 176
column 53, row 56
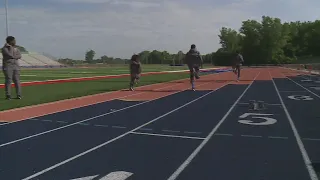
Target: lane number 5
column 267, row 120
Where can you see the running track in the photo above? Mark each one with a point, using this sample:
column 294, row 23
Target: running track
column 210, row 134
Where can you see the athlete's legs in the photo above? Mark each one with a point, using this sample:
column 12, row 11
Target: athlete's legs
column 192, row 72
column 196, row 73
column 234, row 69
column 238, row 71
column 132, row 81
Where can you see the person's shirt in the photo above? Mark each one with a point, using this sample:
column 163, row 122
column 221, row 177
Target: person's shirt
column 10, row 55
column 135, row 67
column 239, row 59
column 193, row 56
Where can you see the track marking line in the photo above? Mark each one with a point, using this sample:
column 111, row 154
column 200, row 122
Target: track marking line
column 277, row 137
column 44, row 120
column 303, row 151
column 292, row 91
column 188, row 132
column 145, row 129
column 264, row 103
column 63, row 122
column 89, row 119
column 69, row 125
column 119, row 127
column 219, row 134
column 205, row 141
column 303, row 87
column 118, row 137
column 254, row 136
column 98, row 125
column 4, row 123
column 310, row 139
column 84, row 124
column 164, row 135
column 170, row 131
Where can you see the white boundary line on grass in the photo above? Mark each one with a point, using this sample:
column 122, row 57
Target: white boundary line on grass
column 204, row 142
column 116, row 138
column 303, row 151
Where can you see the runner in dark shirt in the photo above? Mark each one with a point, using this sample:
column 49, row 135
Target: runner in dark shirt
column 237, row 64
column 194, row 61
column 135, row 71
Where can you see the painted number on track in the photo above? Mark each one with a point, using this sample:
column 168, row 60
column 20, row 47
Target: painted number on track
column 119, row 175
column 266, row 120
column 300, row 97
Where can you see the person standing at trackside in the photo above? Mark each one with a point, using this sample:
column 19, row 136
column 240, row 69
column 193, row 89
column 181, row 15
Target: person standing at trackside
column 194, row 61
column 135, row 71
column 237, row 64
column 10, row 66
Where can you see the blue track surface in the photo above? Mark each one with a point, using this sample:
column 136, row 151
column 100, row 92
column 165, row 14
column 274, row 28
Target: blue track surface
column 202, row 135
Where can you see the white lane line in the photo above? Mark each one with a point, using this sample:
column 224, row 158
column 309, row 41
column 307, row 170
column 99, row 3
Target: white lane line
column 303, row 151
column 189, row 132
column 293, row 91
column 99, row 125
column 303, row 87
column 204, row 142
column 84, row 124
column 254, row 136
column 220, row 134
column 164, row 135
column 264, row 103
column 116, row 138
column 4, row 123
column 44, row 120
column 274, row 104
column 62, row 127
column 119, row 127
column 145, row 129
column 277, row 137
column 170, row 131
column 310, row 139
column 63, row 122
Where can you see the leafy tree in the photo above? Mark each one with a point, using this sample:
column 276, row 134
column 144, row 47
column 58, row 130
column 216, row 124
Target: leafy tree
column 90, row 55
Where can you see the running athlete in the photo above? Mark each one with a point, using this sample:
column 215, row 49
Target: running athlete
column 135, row 71
column 194, row 61
column 237, row 64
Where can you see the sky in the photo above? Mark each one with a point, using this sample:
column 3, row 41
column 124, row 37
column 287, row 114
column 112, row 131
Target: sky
column 120, row 28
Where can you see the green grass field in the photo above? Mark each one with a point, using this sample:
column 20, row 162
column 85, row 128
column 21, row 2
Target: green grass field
column 52, row 92
column 63, row 73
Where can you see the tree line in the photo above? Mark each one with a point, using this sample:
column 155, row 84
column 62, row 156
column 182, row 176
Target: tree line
column 267, row 42
column 271, row 41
